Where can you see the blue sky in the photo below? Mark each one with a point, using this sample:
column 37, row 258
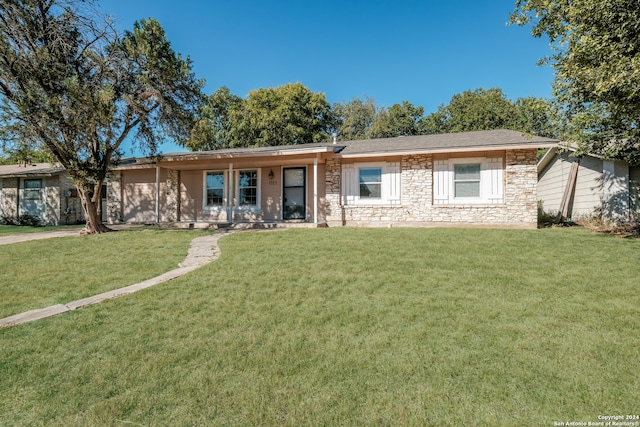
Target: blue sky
column 420, row 51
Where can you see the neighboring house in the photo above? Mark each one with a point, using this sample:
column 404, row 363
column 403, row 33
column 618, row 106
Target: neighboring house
column 589, row 186
column 42, row 190
column 483, row 178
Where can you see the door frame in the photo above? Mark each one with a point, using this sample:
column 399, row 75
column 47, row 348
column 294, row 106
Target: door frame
column 304, row 194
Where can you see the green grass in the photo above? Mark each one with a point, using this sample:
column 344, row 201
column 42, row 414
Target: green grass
column 6, row 230
column 41, row 273
column 349, row 327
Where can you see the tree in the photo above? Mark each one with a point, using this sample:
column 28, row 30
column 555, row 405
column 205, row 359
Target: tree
column 354, row 118
column 286, row 115
column 24, row 155
column 398, row 120
column 475, row 110
column 540, row 117
column 490, row 109
column 77, row 89
column 217, row 126
column 596, row 57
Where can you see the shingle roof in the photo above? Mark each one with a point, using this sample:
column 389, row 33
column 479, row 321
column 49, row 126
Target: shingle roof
column 41, row 169
column 452, row 142
column 463, row 141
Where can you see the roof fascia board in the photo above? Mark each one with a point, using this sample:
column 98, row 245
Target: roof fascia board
column 31, row 175
column 447, row 150
column 213, row 155
column 546, row 159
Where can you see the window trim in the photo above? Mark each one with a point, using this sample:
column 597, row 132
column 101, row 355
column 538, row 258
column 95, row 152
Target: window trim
column 257, row 208
column 225, row 201
column 360, row 182
column 27, row 191
column 454, row 181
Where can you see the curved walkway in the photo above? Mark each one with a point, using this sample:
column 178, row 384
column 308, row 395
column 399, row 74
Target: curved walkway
column 202, row 250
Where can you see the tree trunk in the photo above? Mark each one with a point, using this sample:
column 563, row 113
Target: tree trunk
column 92, row 211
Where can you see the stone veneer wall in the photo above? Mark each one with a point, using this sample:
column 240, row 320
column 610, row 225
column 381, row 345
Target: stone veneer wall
column 519, row 208
column 114, row 198
column 521, row 195
column 333, row 182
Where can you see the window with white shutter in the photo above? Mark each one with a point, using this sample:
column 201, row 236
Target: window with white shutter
column 371, row 183
column 468, row 181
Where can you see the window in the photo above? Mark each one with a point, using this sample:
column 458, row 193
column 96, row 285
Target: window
column 240, row 190
column 370, row 183
column 215, row 189
column 248, row 188
column 466, row 180
column 32, row 189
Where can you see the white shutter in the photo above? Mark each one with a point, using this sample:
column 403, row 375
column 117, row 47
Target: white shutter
column 441, row 182
column 391, row 183
column 492, row 180
column 349, row 185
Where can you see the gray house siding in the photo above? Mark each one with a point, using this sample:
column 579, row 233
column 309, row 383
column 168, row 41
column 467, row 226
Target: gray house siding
column 606, row 187
column 552, row 182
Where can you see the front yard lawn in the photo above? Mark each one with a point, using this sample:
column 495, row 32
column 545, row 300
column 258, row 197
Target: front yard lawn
column 41, row 273
column 349, row 327
column 6, row 230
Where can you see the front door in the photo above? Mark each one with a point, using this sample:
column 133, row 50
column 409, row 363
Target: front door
column 294, row 190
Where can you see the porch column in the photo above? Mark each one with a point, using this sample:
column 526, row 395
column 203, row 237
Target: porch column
column 230, row 195
column 315, row 189
column 157, row 194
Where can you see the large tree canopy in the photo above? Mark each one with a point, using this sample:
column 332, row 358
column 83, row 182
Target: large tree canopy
column 475, row 110
column 597, row 62
column 490, row 109
column 398, row 120
column 288, row 114
column 354, row 118
column 71, row 85
column 292, row 114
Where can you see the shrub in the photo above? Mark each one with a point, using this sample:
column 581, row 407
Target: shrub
column 22, row 220
column 546, row 219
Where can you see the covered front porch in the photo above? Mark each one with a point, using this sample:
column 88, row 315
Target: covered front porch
column 262, row 187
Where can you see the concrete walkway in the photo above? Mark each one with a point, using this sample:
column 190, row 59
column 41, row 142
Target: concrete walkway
column 202, row 250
